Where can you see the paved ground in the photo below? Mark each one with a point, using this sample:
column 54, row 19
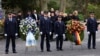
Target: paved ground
column 35, row 51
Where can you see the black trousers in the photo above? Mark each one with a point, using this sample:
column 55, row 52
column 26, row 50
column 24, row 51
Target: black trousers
column 47, row 41
column 51, row 36
column 92, row 37
column 12, row 38
column 59, row 42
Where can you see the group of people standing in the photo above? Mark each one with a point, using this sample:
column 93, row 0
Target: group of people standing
column 49, row 23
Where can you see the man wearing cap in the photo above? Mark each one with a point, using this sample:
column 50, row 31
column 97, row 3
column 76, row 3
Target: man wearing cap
column 45, row 31
column 59, row 29
column 92, row 29
column 10, row 31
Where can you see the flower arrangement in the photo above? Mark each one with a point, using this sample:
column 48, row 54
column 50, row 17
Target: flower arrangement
column 75, row 31
column 1, row 28
column 25, row 25
column 74, row 25
column 2, row 22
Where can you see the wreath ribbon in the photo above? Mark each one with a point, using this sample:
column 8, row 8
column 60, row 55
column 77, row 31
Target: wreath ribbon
column 77, row 38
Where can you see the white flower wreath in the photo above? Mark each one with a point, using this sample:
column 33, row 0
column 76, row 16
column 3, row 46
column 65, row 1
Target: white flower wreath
column 27, row 23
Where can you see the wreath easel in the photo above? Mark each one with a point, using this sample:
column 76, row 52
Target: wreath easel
column 75, row 32
column 29, row 32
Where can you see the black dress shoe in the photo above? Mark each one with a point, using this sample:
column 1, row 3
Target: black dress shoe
column 41, row 50
column 94, row 48
column 58, row 50
column 14, row 52
column 6, row 52
column 89, row 48
column 49, row 51
column 61, row 49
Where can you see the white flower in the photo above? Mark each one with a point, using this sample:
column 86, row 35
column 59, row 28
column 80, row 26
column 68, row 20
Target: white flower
column 24, row 33
column 27, row 23
column 21, row 26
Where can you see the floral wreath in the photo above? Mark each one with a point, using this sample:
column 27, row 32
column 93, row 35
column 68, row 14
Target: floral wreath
column 25, row 25
column 75, row 31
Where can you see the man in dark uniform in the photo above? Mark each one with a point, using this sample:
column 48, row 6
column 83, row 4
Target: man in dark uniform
column 60, row 33
column 92, row 29
column 45, row 31
column 10, row 31
column 65, row 19
column 29, row 14
column 53, row 20
column 19, row 18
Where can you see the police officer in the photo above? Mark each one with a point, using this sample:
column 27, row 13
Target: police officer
column 59, row 29
column 92, row 29
column 45, row 31
column 10, row 31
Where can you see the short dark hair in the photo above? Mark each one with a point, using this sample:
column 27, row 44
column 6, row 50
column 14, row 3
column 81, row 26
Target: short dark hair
column 9, row 13
column 59, row 16
column 45, row 12
column 19, row 11
column 91, row 12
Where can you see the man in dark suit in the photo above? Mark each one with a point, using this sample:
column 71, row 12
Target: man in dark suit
column 35, row 16
column 29, row 14
column 53, row 20
column 45, row 31
column 59, row 29
column 92, row 29
column 10, row 31
column 19, row 18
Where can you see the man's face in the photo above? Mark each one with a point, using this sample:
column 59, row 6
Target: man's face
column 34, row 11
column 20, row 13
column 29, row 13
column 45, row 15
column 9, row 15
column 42, row 12
column 57, row 12
column 59, row 19
column 70, row 14
column 92, row 15
column 52, row 14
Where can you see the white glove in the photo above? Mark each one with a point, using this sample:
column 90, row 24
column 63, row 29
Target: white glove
column 16, row 34
column 5, row 35
column 56, row 35
column 88, row 32
column 64, row 36
column 41, row 33
column 96, row 31
column 50, row 33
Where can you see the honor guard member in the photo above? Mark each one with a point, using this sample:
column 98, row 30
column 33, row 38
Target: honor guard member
column 92, row 29
column 10, row 31
column 59, row 29
column 45, row 31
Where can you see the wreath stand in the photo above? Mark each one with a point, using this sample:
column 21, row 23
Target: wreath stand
column 72, row 43
column 27, row 47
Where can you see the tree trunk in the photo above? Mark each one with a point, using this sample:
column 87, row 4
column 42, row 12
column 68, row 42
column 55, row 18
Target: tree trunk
column 37, row 3
column 43, row 4
column 85, row 8
column 62, row 5
column 80, row 5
